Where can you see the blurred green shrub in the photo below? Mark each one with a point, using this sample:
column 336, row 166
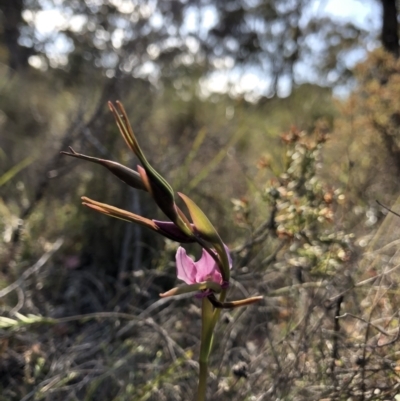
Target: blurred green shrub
column 305, row 208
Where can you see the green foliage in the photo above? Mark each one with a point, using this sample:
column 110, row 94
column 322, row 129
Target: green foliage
column 288, row 209
column 365, row 145
column 304, row 208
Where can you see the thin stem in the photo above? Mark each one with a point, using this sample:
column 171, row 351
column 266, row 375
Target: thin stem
column 202, row 389
column 209, row 317
column 217, row 311
column 207, row 329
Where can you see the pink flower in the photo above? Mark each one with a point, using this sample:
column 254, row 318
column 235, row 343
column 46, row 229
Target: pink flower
column 205, row 269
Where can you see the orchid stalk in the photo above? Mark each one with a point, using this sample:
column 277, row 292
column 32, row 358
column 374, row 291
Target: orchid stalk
column 209, row 277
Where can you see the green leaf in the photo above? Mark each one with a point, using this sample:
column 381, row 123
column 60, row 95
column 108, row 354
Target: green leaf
column 8, row 175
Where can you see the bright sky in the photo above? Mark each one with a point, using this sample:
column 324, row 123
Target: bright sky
column 366, row 14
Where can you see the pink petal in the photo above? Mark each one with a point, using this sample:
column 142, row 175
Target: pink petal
column 207, row 269
column 185, row 267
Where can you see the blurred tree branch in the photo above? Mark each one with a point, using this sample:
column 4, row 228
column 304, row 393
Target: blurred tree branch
column 390, row 27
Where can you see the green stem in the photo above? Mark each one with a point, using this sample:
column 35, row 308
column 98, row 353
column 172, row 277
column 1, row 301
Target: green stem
column 207, row 329
column 209, row 318
column 217, row 311
column 202, row 389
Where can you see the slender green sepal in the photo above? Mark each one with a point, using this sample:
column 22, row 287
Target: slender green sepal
column 164, row 228
column 126, row 130
column 130, row 139
column 125, row 174
column 119, row 213
column 184, row 219
column 207, row 231
column 145, row 179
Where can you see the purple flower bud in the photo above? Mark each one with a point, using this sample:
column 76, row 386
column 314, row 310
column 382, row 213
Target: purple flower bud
column 173, row 232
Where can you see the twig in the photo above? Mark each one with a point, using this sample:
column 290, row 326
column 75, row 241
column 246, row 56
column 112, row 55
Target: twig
column 171, row 344
column 384, row 332
column 285, row 290
column 366, row 281
column 260, row 233
column 272, row 257
column 21, row 299
column 336, row 329
column 161, row 302
column 389, row 210
column 96, row 315
column 33, row 269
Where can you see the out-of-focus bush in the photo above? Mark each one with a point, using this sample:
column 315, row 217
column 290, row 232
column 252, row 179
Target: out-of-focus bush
column 364, row 153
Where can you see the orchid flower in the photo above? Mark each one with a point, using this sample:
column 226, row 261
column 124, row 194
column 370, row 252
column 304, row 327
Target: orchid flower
column 203, row 272
column 205, row 269
column 206, row 277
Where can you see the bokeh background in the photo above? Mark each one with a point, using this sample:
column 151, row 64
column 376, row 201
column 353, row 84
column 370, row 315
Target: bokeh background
column 281, row 119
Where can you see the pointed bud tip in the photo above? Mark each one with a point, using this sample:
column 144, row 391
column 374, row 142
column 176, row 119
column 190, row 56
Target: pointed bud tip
column 169, row 293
